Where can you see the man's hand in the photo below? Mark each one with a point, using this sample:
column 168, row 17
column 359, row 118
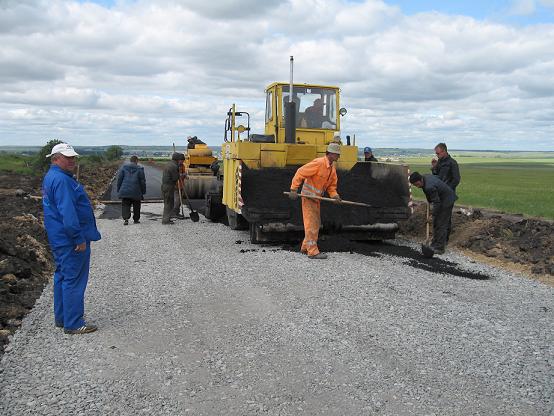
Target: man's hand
column 80, row 247
column 293, row 194
column 433, row 162
column 337, row 199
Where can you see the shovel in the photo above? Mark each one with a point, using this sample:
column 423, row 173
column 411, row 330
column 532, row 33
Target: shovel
column 425, row 249
column 180, row 194
column 193, row 214
column 342, row 202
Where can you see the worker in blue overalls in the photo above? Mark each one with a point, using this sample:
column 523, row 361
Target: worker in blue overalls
column 71, row 226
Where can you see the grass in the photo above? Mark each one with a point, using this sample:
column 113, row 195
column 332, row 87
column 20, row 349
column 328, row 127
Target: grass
column 16, row 164
column 512, row 185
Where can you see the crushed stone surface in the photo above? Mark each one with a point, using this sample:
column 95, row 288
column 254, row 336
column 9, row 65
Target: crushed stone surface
column 192, row 322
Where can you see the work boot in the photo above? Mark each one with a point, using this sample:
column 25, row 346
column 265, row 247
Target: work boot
column 167, row 222
column 126, row 222
column 438, row 250
column 179, row 216
column 59, row 324
column 318, row 256
column 85, row 329
column 137, row 222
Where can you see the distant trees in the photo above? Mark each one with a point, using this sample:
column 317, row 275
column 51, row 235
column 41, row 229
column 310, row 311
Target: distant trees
column 41, row 162
column 114, row 152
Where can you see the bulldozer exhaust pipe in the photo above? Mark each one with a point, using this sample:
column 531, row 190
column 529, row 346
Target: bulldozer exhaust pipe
column 290, row 111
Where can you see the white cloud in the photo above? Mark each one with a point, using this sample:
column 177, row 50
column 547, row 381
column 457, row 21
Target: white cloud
column 523, row 7
column 145, row 72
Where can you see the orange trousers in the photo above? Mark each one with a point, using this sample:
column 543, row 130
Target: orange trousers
column 312, row 220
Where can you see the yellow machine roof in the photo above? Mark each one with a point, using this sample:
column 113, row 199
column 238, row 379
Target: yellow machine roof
column 300, row 85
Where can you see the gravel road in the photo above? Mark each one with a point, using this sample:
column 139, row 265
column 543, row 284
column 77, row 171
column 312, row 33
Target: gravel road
column 192, row 322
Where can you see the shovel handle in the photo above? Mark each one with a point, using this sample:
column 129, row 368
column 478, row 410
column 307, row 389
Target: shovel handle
column 427, row 221
column 321, row 198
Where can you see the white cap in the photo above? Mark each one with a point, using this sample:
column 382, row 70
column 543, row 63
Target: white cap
column 63, row 148
column 333, row 148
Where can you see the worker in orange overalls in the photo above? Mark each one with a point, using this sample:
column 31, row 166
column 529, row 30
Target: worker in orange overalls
column 318, row 176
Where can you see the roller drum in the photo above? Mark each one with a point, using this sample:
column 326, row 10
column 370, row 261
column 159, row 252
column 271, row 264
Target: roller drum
column 197, row 187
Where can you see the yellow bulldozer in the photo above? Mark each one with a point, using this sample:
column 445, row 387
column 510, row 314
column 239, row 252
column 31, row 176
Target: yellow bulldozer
column 300, row 121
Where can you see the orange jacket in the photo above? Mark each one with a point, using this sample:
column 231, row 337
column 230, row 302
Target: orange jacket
column 319, row 176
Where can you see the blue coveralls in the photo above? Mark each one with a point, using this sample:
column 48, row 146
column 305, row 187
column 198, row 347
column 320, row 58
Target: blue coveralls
column 69, row 221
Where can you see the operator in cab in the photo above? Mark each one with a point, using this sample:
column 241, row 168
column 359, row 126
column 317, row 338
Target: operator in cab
column 318, row 176
column 368, row 155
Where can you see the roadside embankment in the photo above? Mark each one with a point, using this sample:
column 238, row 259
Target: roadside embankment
column 514, row 242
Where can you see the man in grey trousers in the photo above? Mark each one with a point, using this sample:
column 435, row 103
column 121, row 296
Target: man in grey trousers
column 169, row 181
column 442, row 198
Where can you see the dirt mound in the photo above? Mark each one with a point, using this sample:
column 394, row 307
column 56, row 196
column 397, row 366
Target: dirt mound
column 25, row 260
column 509, row 239
column 26, row 263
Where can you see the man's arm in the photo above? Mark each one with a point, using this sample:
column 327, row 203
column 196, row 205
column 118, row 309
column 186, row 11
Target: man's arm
column 306, row 171
column 142, row 180
column 455, row 174
column 433, row 197
column 332, row 188
column 120, row 179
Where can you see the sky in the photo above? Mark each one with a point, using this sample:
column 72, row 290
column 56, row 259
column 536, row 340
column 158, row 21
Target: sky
column 474, row 74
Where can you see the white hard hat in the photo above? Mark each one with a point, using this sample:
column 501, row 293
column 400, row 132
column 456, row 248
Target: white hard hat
column 333, row 148
column 63, row 148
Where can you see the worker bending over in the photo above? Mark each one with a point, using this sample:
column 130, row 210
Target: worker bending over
column 318, row 176
column 442, row 198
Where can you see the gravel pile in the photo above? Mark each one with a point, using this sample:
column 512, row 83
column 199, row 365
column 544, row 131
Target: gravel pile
column 190, row 324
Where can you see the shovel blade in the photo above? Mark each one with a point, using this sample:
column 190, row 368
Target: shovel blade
column 427, row 251
column 194, row 216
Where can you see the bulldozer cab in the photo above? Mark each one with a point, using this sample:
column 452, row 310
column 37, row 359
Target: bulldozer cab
column 317, row 114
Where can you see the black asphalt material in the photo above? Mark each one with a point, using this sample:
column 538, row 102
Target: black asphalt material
column 412, row 256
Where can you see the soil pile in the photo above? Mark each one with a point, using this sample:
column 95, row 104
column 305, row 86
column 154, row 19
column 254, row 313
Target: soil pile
column 26, row 263
column 25, row 260
column 509, row 239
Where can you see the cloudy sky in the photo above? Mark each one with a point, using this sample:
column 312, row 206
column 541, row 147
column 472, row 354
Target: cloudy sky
column 476, row 74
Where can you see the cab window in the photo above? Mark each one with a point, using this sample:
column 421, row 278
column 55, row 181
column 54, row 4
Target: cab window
column 269, row 106
column 316, row 107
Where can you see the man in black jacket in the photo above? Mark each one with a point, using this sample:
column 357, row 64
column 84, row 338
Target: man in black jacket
column 442, row 198
column 169, row 180
column 445, row 167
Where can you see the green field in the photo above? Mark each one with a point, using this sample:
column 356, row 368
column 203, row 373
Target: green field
column 517, row 185
column 16, row 163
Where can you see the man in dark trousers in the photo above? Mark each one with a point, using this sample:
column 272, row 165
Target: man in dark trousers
column 169, row 180
column 70, row 224
column 442, row 198
column 131, row 186
column 445, row 167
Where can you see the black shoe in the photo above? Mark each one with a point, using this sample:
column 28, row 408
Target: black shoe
column 126, row 222
column 59, row 324
column 137, row 222
column 318, row 256
column 438, row 250
column 85, row 329
column 179, row 216
column 167, row 222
